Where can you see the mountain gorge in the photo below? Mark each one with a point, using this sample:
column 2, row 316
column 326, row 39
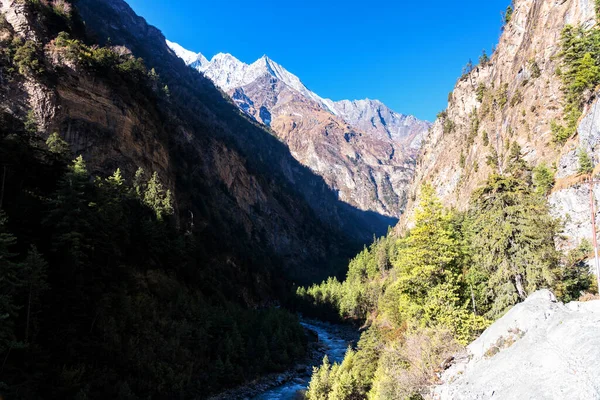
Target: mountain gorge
column 165, row 219
column 149, row 229
column 363, row 150
column 499, row 208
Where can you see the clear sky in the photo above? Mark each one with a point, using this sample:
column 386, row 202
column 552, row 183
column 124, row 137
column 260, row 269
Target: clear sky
column 407, row 54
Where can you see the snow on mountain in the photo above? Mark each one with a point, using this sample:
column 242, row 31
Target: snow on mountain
column 189, row 57
column 361, row 148
column 374, row 116
column 227, row 72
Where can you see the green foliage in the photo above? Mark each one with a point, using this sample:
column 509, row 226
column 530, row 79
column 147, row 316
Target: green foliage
column 512, row 244
column 103, row 59
column 100, row 297
column 586, row 165
column 575, row 277
column 492, row 159
column 31, row 123
column 481, row 90
column 534, row 69
column 467, row 69
column 28, row 60
column 486, row 138
column 473, row 128
column 560, row 133
column 483, row 58
column 543, row 179
column 448, row 126
column 434, row 289
column 158, row 199
column 580, row 73
column 516, row 99
column 502, row 95
column 57, row 145
column 508, row 14
column 462, row 160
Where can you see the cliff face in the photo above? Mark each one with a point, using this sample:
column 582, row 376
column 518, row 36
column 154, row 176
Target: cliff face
column 513, row 98
column 236, row 184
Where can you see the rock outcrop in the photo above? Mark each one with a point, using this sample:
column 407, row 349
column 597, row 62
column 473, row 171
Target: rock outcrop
column 362, row 149
column 234, row 183
column 514, row 97
column 540, row 349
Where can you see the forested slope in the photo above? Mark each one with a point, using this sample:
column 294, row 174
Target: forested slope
column 147, row 228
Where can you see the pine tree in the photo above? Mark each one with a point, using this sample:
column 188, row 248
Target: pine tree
column 512, row 242
column 158, row 199
column 543, row 179
column 11, row 281
column 70, row 214
column 484, row 59
column 586, row 166
column 57, row 145
column 429, row 286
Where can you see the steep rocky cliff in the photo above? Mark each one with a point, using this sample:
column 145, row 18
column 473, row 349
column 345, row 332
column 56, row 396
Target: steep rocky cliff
column 516, row 96
column 362, row 149
column 235, row 184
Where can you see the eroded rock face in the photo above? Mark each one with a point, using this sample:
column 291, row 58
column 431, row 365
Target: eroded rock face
column 362, row 149
column 236, row 185
column 541, row 349
column 513, row 98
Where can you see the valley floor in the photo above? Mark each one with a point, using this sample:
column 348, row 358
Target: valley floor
column 333, row 341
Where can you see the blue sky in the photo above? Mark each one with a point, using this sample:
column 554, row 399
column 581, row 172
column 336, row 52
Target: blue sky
column 407, row 54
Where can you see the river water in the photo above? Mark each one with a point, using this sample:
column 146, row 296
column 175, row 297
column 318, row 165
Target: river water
column 335, row 346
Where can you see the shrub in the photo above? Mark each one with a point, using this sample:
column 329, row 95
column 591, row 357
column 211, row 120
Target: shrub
column 481, row 92
column 560, row 134
column 28, row 60
column 543, row 179
column 483, row 58
column 586, row 165
column 502, row 95
column 449, row 126
column 485, row 138
column 535, row 69
column 62, row 8
column 508, row 14
column 516, row 99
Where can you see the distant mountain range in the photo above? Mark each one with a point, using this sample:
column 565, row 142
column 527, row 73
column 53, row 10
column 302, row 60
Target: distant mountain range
column 362, row 148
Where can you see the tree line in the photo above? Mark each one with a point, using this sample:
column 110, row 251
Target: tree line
column 427, row 293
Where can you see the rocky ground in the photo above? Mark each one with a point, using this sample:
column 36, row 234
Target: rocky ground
column 541, row 349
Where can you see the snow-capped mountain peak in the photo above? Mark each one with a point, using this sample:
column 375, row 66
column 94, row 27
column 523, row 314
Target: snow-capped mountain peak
column 189, row 57
column 229, row 73
column 361, row 148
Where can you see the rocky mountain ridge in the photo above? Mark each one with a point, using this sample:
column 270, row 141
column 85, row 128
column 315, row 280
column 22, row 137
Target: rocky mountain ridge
column 363, row 150
column 514, row 97
column 231, row 178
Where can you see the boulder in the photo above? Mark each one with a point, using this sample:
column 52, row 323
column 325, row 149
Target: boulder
column 541, row 349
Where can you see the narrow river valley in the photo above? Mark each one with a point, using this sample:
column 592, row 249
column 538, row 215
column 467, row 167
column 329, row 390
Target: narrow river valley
column 333, row 340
